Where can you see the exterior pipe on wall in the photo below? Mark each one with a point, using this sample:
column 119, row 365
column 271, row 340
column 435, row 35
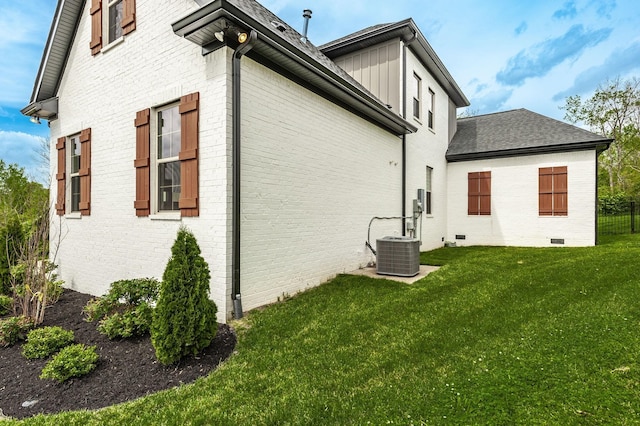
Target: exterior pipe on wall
column 404, row 136
column 236, row 124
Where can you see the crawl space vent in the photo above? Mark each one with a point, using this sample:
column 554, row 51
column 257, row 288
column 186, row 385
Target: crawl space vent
column 398, row 256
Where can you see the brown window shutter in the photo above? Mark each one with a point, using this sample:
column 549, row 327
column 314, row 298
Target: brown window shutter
column 484, row 188
column 560, row 190
column 141, row 163
column 85, row 172
column 189, row 106
column 60, row 176
column 129, row 16
column 479, row 193
column 96, row 26
column 473, row 193
column 545, row 191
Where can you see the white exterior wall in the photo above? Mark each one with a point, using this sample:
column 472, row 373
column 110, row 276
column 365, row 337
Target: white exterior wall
column 514, row 219
column 428, row 147
column 313, row 175
column 152, row 66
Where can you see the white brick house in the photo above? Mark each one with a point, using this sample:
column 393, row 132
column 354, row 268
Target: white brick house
column 275, row 153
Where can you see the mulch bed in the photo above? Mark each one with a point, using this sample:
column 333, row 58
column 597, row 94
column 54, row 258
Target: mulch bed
column 127, row 369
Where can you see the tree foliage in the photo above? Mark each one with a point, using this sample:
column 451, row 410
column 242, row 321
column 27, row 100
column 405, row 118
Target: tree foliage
column 184, row 320
column 19, row 195
column 613, row 111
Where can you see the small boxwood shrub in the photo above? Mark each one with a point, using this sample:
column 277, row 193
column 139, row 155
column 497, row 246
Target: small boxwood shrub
column 6, row 304
column 126, row 309
column 133, row 322
column 184, row 320
column 13, row 329
column 73, row 361
column 46, row 341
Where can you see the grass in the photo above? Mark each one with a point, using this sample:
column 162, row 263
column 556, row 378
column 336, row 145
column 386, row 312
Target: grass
column 618, row 224
column 496, row 336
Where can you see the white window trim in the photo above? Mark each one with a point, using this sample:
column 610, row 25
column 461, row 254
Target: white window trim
column 157, row 214
column 431, row 109
column 417, row 80
column 68, row 165
column 428, row 189
column 106, row 4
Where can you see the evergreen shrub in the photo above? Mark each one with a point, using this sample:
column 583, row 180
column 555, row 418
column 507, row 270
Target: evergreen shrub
column 126, row 310
column 184, row 320
column 46, row 341
column 13, row 329
column 73, row 361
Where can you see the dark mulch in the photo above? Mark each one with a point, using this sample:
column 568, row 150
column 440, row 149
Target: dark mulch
column 127, row 369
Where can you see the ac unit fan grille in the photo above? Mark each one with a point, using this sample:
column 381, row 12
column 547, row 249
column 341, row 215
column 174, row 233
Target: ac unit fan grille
column 399, row 256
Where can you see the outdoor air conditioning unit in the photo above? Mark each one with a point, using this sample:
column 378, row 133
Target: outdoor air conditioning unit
column 398, row 256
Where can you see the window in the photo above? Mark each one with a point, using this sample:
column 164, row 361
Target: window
column 553, row 190
column 74, row 172
column 479, row 193
column 432, row 105
column 113, row 25
column 118, row 20
column 427, row 194
column 167, row 171
column 74, row 162
column 417, row 96
column 167, row 160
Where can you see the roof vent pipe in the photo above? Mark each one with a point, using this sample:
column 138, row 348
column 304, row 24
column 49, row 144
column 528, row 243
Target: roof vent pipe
column 306, row 14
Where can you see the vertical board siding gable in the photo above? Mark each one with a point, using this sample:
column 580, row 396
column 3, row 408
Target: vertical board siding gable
column 85, row 172
column 189, row 115
column 96, row 26
column 60, row 177
column 141, row 163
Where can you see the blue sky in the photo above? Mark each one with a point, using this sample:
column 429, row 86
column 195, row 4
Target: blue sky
column 504, row 54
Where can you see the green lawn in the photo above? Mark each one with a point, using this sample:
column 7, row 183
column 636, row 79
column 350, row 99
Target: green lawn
column 618, row 224
column 496, row 336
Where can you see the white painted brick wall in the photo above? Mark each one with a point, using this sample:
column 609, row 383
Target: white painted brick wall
column 425, row 148
column 313, row 177
column 151, row 67
column 314, row 174
column 514, row 219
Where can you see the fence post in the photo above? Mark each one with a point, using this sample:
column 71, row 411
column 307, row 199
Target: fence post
column 633, row 217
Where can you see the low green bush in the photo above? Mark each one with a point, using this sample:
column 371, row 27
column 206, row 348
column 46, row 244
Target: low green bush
column 13, row 329
column 73, row 361
column 6, row 304
column 133, row 322
column 46, row 341
column 126, row 309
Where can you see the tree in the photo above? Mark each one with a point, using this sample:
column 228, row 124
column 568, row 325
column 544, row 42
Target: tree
column 23, row 208
column 18, row 194
column 613, row 111
column 184, row 320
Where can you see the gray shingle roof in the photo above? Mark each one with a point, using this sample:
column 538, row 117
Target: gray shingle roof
column 518, row 132
column 279, row 46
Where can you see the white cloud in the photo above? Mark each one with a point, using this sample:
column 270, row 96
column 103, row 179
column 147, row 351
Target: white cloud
column 22, row 149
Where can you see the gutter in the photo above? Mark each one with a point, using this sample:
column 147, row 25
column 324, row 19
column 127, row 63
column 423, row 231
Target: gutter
column 599, row 146
column 292, row 55
column 236, row 139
